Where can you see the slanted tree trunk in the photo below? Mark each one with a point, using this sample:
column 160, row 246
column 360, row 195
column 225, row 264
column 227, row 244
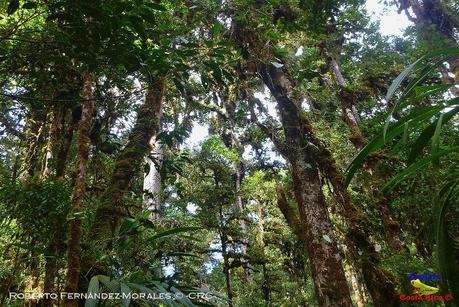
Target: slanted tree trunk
column 290, row 214
column 75, row 227
column 127, row 166
column 308, row 159
column 326, row 264
column 347, row 100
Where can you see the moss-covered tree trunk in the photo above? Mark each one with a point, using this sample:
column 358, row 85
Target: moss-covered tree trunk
column 57, row 151
column 309, row 159
column 75, row 227
column 128, row 164
column 326, row 264
column 348, row 99
column 55, row 120
column 34, row 138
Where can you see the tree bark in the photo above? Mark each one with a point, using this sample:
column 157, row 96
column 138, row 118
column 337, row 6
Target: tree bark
column 53, row 134
column 350, row 117
column 290, row 214
column 127, row 166
column 347, row 100
column 326, row 264
column 75, row 227
column 64, row 146
column 34, row 140
column 308, row 159
column 152, row 180
column 226, row 264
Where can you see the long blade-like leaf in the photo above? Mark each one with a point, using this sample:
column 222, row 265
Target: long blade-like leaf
column 415, row 118
column 447, row 261
column 174, row 231
column 93, row 289
column 413, row 168
column 427, row 133
column 397, row 81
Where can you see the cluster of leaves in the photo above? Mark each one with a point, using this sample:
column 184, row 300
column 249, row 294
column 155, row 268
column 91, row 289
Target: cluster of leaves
column 425, row 123
column 39, row 208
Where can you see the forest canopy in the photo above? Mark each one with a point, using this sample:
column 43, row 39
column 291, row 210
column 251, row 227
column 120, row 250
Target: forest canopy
column 228, row 153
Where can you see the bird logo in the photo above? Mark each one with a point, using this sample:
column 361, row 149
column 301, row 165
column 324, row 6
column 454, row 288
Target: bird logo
column 423, row 289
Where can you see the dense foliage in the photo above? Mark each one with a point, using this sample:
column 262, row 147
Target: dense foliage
column 240, row 153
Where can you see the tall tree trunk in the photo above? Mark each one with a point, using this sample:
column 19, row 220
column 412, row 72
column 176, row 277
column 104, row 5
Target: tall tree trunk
column 53, row 134
column 239, row 169
column 127, row 166
column 64, row 146
column 152, row 188
column 75, row 227
column 326, row 265
column 347, row 101
column 34, row 140
column 55, row 247
column 51, row 265
column 226, row 116
column 226, row 264
column 308, row 159
column 227, row 271
column 152, row 180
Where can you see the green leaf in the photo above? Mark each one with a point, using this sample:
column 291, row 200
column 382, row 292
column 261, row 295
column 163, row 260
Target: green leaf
column 405, row 133
column 156, row 6
column 397, row 81
column 111, row 285
column 426, row 70
column 427, row 133
column 144, row 289
column 217, row 30
column 93, row 289
column 29, row 5
column 447, row 261
column 126, row 291
column 415, row 119
column 13, row 6
column 182, row 298
column 436, row 136
column 424, row 91
column 414, row 168
column 174, row 231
